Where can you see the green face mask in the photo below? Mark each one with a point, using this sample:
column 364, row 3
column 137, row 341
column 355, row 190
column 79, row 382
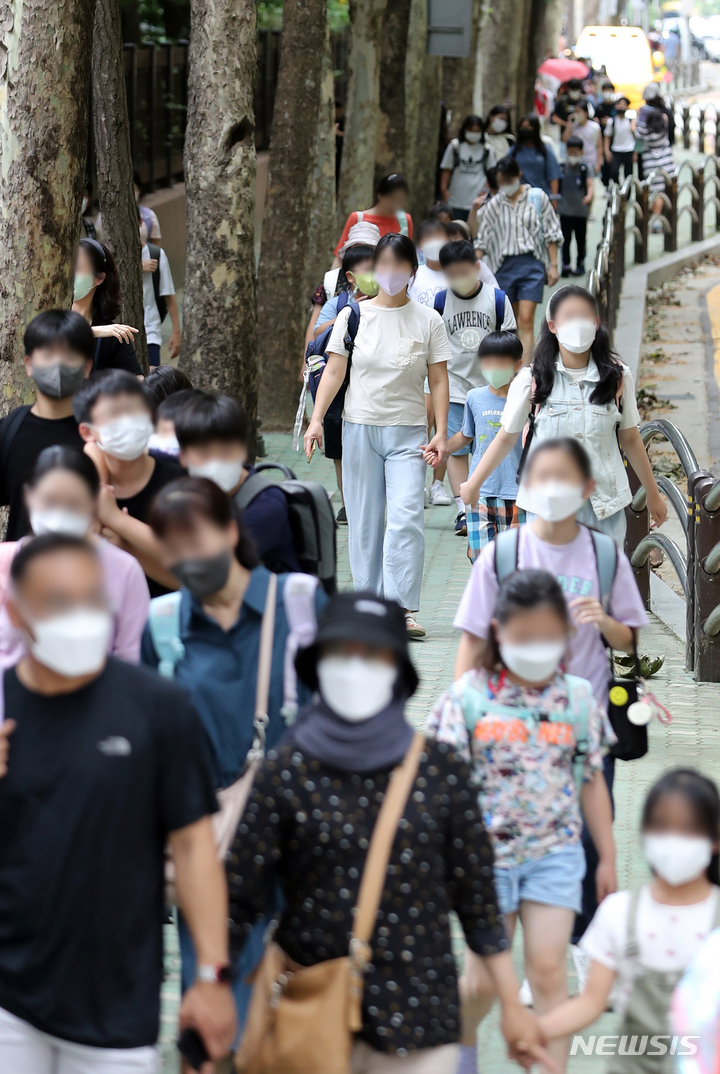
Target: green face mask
column 498, row 378
column 84, row 284
column 365, row 282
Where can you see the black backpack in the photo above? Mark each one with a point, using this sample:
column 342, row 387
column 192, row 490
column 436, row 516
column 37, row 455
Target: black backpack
column 160, row 302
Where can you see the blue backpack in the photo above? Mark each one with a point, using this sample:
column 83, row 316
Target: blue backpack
column 441, row 296
column 316, row 355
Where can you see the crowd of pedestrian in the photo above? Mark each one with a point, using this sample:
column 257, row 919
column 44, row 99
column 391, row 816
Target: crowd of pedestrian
column 198, row 731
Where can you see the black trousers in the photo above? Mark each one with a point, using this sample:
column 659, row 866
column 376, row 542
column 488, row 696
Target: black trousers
column 577, row 226
column 589, row 895
column 624, row 161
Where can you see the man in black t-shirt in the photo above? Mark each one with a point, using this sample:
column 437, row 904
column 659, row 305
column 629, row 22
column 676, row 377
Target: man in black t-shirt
column 59, row 350
column 114, row 412
column 107, row 762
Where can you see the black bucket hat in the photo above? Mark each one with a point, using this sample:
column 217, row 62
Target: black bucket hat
column 362, row 617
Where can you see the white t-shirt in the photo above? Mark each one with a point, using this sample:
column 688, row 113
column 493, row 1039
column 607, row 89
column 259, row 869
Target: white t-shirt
column 393, row 348
column 153, row 323
column 668, row 937
column 589, row 134
column 468, row 178
column 467, row 321
column 619, row 130
column 426, row 285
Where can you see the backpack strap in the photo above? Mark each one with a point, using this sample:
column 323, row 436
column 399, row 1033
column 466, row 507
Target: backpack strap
column 456, row 152
column 154, row 252
column 606, row 562
column 352, row 328
column 440, row 300
column 343, row 300
column 251, row 487
column 507, row 550
column 359, row 216
column 10, row 427
column 402, row 220
column 578, row 695
column 631, row 944
column 330, row 280
column 299, row 594
column 499, row 308
column 164, row 621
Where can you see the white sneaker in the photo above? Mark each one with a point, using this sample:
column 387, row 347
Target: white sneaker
column 414, row 629
column 581, row 962
column 525, row 994
column 438, row 496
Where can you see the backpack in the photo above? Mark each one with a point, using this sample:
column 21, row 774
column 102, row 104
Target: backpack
column 299, row 604
column 441, row 296
column 456, row 154
column 535, row 198
column 330, row 282
column 312, row 520
column 160, row 302
column 316, row 356
column 477, row 703
column 146, row 217
column 579, row 175
column 402, row 219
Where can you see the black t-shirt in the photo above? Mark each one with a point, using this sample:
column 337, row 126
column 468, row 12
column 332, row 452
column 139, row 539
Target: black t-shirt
column 31, row 436
column 166, row 470
column 97, row 780
column 112, row 353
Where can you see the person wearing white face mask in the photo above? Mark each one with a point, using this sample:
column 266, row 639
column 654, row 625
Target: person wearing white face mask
column 322, row 789
column 646, row 939
column 577, row 387
column 498, row 131
column 122, row 761
column 520, row 713
column 114, row 414
column 464, row 166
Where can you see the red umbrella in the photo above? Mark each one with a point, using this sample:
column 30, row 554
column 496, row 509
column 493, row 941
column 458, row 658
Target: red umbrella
column 563, row 69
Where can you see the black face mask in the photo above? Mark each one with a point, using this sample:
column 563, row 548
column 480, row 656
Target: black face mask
column 203, row 575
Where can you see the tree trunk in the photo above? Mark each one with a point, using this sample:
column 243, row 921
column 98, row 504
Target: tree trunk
column 323, row 229
column 544, row 32
column 423, row 167
column 503, row 54
column 282, row 297
column 392, row 140
column 114, row 166
column 362, row 112
column 219, row 349
column 458, row 78
column 45, row 50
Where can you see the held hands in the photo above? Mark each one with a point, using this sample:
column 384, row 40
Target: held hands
column 123, row 332
column 436, row 452
column 210, row 1010
column 525, row 1038
column 314, row 431
column 6, row 729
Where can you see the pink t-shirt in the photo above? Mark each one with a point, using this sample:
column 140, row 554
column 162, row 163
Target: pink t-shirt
column 575, row 568
column 129, row 599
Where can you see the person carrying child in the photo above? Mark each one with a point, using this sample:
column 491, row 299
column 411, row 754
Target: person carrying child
column 534, row 736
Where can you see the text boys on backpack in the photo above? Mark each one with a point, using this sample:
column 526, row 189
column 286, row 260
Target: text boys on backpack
column 500, row 355
column 59, row 351
column 470, row 310
column 574, row 205
column 212, row 431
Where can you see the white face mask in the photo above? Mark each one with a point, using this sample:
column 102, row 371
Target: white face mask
column 354, row 688
column 498, row 126
column 607, row 96
column 75, row 643
column 224, row 473
column 677, row 858
column 534, row 662
column 555, row 501
column 431, row 249
column 574, row 95
column 58, row 520
column 511, row 188
column 578, row 335
column 127, row 437
column 472, row 137
column 166, row 445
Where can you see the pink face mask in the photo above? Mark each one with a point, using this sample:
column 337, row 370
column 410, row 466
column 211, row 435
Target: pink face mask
column 392, row 281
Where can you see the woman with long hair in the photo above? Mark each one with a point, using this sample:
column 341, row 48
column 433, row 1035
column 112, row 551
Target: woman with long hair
column 463, row 168
column 537, row 160
column 498, row 131
column 97, row 297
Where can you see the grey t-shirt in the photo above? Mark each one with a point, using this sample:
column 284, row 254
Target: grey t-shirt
column 574, row 189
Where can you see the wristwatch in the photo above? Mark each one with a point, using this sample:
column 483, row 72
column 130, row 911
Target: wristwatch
column 208, row 974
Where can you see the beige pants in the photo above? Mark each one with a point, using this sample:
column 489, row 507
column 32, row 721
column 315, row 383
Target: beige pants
column 365, row 1060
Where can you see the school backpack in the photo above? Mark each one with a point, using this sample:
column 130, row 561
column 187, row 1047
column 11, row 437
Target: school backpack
column 402, row 219
column 478, row 703
column 500, row 296
column 160, row 302
column 299, row 604
column 312, row 520
column 316, row 355
column 330, row 282
column 579, row 176
column 535, row 198
column 147, row 218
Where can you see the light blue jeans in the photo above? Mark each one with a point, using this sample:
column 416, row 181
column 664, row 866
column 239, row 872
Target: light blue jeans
column 383, row 468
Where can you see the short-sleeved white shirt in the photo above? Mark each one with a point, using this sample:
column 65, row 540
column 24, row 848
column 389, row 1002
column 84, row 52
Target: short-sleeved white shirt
column 153, row 324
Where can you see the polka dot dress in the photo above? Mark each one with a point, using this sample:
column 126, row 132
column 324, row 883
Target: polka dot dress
column 308, row 827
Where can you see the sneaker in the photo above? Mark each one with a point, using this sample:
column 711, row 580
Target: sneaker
column 525, row 994
column 461, row 525
column 579, row 271
column 566, row 270
column 341, row 516
column 438, row 496
column 581, row 962
column 414, row 630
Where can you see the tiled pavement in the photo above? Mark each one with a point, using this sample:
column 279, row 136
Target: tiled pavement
column 692, row 738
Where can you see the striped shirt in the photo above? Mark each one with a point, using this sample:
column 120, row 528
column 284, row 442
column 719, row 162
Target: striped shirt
column 506, row 230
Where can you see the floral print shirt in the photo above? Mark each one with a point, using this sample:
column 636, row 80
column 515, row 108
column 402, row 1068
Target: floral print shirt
column 523, row 766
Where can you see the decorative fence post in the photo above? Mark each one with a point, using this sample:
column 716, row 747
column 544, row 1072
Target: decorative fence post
column 704, row 575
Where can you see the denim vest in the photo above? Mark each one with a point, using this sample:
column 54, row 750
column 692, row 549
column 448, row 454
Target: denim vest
column 568, row 412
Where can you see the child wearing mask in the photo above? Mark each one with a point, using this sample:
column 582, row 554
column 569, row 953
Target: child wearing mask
column 534, row 736
column 619, row 136
column 576, row 195
column 646, row 939
column 500, row 356
column 357, row 269
column 464, row 165
column 429, row 279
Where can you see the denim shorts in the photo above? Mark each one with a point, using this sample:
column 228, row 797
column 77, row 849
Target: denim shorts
column 522, row 278
column 455, row 420
column 555, row 880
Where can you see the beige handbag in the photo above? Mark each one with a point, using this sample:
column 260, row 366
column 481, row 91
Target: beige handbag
column 302, row 1018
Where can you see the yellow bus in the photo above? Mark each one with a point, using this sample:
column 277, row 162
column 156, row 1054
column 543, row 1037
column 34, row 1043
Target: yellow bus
column 625, row 53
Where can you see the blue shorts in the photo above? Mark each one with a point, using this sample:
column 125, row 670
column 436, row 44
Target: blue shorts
column 455, row 420
column 555, row 880
column 522, row 278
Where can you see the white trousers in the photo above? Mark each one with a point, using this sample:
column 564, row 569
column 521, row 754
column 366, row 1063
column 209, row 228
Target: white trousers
column 25, row 1050
column 443, row 1060
column 383, row 468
